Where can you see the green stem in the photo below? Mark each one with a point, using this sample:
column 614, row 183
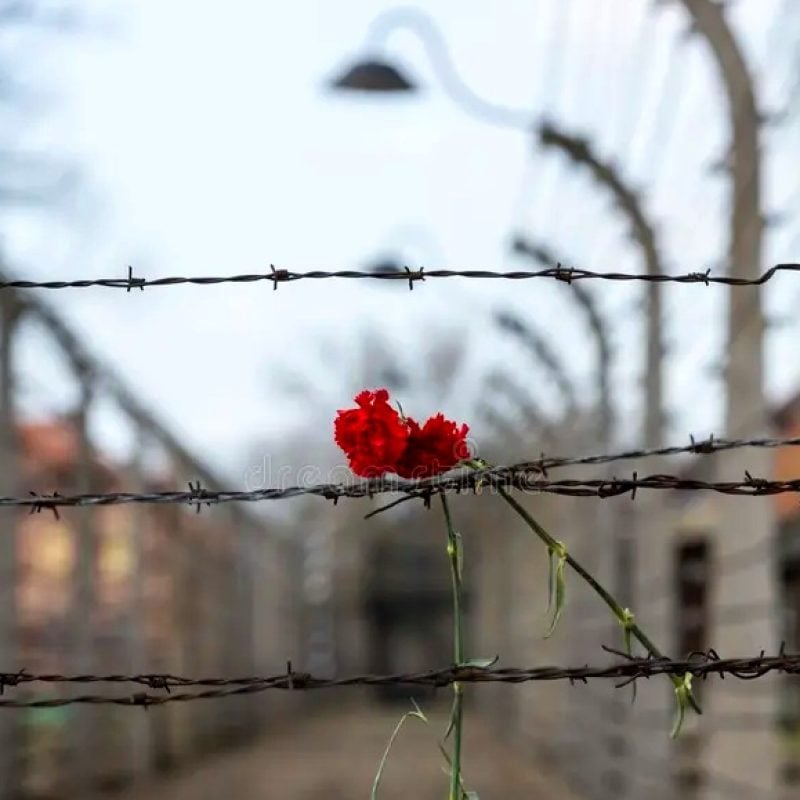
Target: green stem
column 609, row 600
column 454, row 553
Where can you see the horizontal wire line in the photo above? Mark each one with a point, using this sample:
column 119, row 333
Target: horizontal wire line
column 276, row 276
column 696, row 447
column 368, row 489
column 525, row 477
column 627, row 670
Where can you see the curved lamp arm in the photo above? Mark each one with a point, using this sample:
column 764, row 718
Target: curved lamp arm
column 413, row 19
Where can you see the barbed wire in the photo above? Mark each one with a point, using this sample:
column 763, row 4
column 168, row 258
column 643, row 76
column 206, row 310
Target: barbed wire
column 525, row 476
column 625, row 671
column 530, row 469
column 412, row 276
column 695, row 447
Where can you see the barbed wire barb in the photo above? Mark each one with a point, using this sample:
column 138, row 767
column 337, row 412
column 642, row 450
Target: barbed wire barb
column 560, row 273
column 524, row 477
column 628, row 668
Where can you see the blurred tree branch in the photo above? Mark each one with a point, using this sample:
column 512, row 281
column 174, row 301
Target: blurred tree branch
column 30, row 178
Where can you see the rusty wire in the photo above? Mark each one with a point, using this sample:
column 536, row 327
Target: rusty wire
column 198, row 495
column 411, row 276
column 695, row 446
column 525, row 476
column 626, row 670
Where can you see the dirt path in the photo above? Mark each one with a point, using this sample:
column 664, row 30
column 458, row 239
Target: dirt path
column 334, row 757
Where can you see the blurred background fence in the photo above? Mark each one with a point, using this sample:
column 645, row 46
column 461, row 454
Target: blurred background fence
column 629, row 303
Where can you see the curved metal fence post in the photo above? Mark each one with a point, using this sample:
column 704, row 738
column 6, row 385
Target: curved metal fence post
column 10, row 751
column 579, row 150
column 752, row 756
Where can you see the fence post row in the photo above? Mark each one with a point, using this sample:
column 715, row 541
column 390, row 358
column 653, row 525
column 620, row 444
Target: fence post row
column 10, row 312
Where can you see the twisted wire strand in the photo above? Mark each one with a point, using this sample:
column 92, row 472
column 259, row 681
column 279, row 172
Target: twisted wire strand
column 526, row 477
column 626, row 670
column 412, row 276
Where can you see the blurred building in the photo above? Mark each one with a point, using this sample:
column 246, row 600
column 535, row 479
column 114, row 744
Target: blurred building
column 787, row 557
column 173, row 592
column 693, row 586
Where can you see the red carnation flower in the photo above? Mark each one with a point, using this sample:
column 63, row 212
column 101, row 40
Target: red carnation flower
column 433, row 448
column 373, row 436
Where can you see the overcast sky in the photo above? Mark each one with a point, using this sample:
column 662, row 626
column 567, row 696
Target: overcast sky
column 209, row 146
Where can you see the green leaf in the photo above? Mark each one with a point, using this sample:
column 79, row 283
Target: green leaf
column 480, row 663
column 683, row 690
column 560, row 584
column 452, row 721
column 626, row 620
column 417, row 714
